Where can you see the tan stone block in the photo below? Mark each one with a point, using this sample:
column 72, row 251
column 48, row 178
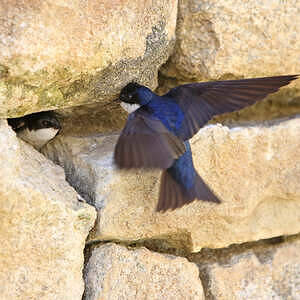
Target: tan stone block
column 235, row 38
column 268, row 273
column 43, row 226
column 114, row 272
column 254, row 170
column 65, row 53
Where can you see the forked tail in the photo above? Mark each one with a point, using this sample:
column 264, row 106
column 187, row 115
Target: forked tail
column 173, row 195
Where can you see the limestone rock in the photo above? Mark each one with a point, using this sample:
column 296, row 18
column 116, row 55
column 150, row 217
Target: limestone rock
column 254, row 170
column 43, row 226
column 60, row 54
column 258, row 273
column 217, row 39
column 114, row 272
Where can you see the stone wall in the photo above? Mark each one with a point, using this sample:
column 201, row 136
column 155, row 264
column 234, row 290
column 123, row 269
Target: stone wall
column 73, row 226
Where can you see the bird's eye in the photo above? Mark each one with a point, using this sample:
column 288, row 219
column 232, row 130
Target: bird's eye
column 46, row 123
column 129, row 96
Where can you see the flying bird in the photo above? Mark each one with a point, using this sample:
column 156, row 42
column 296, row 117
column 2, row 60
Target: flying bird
column 37, row 129
column 156, row 135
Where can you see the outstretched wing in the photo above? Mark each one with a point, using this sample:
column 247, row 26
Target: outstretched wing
column 146, row 143
column 201, row 101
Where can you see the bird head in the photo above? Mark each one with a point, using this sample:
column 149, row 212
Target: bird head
column 134, row 95
column 42, row 120
column 37, row 129
column 129, row 93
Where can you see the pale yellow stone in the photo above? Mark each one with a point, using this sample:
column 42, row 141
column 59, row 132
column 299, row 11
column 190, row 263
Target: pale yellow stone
column 84, row 36
column 238, row 38
column 114, row 272
column 254, row 170
column 273, row 273
column 43, row 226
column 65, row 53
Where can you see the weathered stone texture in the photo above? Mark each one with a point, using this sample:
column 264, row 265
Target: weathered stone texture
column 114, row 272
column 43, row 226
column 235, row 38
column 262, row 272
column 254, row 170
column 75, row 56
column 60, row 54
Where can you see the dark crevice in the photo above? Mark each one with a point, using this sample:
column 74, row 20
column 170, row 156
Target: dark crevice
column 205, row 280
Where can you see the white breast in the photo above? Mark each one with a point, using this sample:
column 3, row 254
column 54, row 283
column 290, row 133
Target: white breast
column 37, row 138
column 130, row 107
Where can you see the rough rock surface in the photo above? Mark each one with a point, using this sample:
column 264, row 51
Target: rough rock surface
column 261, row 272
column 254, row 170
column 216, row 39
column 114, row 272
column 43, row 226
column 60, row 54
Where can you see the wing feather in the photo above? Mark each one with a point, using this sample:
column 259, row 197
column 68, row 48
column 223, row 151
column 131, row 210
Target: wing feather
column 146, row 143
column 201, row 101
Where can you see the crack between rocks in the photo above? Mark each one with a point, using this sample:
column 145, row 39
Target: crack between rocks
column 262, row 249
column 204, row 278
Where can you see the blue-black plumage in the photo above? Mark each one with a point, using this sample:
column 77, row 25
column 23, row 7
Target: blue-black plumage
column 156, row 134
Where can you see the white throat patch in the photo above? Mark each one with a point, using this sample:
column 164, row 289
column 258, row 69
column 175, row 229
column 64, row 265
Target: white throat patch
column 129, row 107
column 37, row 138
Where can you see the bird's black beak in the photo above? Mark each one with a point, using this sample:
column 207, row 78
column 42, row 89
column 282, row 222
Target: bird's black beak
column 57, row 126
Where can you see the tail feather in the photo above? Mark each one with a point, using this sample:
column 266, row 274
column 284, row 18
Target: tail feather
column 173, row 195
